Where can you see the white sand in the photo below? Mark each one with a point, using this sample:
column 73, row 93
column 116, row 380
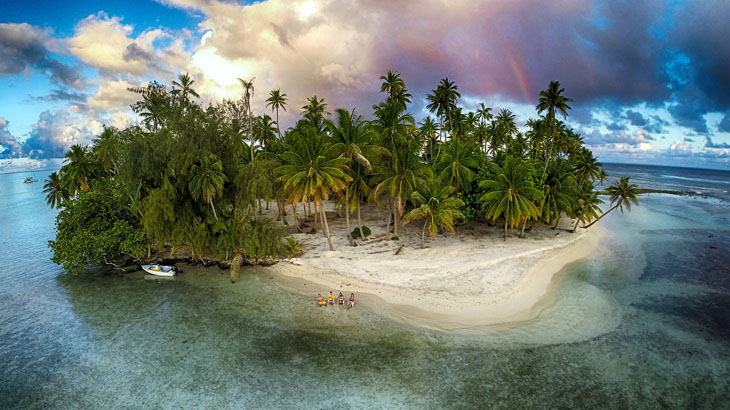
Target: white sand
column 458, row 282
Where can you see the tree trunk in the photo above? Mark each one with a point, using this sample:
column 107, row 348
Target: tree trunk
column 390, row 215
column 505, row 229
column 556, row 221
column 395, row 220
column 326, row 227
column 316, row 215
column 250, row 129
column 277, row 122
column 576, row 225
column 235, row 265
column 347, row 214
column 522, row 232
column 359, row 220
column 296, row 220
column 210, row 201
column 599, row 218
column 423, row 234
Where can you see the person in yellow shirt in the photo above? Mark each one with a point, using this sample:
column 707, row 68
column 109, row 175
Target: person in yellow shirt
column 331, row 298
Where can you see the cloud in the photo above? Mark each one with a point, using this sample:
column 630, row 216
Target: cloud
column 715, row 145
column 56, row 131
column 23, row 46
column 63, row 95
column 689, row 140
column 635, row 118
column 640, row 139
column 9, row 145
column 113, row 96
column 724, row 125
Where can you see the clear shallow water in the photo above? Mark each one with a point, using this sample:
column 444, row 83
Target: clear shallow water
column 111, row 341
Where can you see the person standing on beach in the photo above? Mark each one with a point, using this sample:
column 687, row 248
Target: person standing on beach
column 351, row 302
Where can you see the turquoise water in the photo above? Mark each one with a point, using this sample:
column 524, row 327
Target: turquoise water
column 643, row 325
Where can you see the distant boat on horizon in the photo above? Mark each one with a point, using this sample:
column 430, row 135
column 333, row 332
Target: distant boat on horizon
column 30, row 180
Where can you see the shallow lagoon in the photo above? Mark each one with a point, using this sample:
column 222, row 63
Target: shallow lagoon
column 101, row 341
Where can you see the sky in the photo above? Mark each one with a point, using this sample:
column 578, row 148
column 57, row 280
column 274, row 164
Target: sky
column 650, row 80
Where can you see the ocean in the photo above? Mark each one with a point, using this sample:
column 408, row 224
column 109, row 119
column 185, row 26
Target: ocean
column 659, row 338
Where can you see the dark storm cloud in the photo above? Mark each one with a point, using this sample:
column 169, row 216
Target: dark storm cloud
column 10, row 147
column 133, row 52
column 635, row 118
column 22, row 46
column 615, row 126
column 724, row 125
column 710, row 144
column 688, row 140
column 62, row 95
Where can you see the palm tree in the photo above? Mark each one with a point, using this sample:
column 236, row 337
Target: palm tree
column 484, row 113
column 106, row 148
column 56, row 193
column 78, row 170
column 622, row 193
column 248, row 91
column 436, row 204
column 442, row 100
column 429, row 134
column 264, row 130
column 312, row 170
column 392, row 83
column 184, row 86
column 587, row 168
column 552, row 100
column 511, row 195
column 559, row 193
column 276, row 100
column 602, row 175
column 351, row 137
column 588, row 208
column 315, row 107
column 208, row 179
column 457, row 164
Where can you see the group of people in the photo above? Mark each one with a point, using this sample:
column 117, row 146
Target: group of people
column 340, row 299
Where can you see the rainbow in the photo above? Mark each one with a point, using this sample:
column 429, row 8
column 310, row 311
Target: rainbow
column 521, row 77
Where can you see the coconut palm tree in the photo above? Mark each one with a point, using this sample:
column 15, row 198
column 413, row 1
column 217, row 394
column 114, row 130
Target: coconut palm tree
column 265, row 130
column 587, row 168
column 511, row 195
column 351, row 137
column 248, row 91
column 559, row 193
column 392, row 84
column 588, row 208
column 552, row 100
column 602, row 175
column 435, row 203
column 106, row 148
column 78, row 169
column 484, row 113
column 442, row 100
column 184, row 86
column 315, row 107
column 312, row 169
column 208, row 179
column 56, row 193
column 622, row 193
column 457, row 164
column 277, row 100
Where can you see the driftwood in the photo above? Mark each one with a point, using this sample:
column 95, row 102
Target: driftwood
column 398, row 251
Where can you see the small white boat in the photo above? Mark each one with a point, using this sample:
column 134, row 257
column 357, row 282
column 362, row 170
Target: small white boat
column 30, row 180
column 160, row 270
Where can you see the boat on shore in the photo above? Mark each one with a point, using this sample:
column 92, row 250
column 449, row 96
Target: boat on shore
column 160, row 270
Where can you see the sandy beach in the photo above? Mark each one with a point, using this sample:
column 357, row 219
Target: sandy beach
column 457, row 282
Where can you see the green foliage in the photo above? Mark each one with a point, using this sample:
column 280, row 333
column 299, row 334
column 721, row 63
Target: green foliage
column 356, row 232
column 291, row 247
column 94, row 228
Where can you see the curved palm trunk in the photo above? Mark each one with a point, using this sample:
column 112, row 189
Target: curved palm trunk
column 277, row 122
column 390, row 215
column 296, row 220
column 326, row 226
column 210, row 201
column 522, row 232
column 600, row 217
column 395, row 220
column 505, row 229
column 556, row 221
column 347, row 214
column 359, row 220
column 575, row 226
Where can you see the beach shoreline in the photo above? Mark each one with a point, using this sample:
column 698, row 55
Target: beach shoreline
column 461, row 283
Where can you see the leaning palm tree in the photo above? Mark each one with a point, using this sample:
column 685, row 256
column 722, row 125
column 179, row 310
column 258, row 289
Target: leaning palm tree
column 276, row 100
column 552, row 100
column 587, row 208
column 622, row 193
column 436, row 204
column 56, row 193
column 351, row 137
column 511, row 195
column 312, row 170
column 207, row 181
column 248, row 91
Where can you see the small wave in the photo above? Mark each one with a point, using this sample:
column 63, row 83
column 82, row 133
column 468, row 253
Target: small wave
column 718, row 181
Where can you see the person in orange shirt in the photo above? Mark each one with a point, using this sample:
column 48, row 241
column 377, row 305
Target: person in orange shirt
column 320, row 300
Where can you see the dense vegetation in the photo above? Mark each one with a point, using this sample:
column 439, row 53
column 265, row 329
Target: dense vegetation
column 195, row 179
